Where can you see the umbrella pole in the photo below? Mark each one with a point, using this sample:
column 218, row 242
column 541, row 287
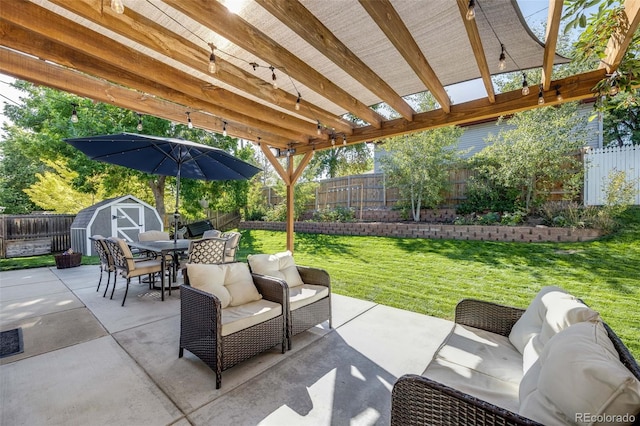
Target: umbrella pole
column 176, row 214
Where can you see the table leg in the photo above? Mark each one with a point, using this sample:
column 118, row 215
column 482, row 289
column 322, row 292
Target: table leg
column 163, row 263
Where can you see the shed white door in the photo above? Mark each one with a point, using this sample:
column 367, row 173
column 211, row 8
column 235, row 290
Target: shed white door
column 127, row 221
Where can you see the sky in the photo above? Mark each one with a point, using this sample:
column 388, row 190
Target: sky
column 534, row 12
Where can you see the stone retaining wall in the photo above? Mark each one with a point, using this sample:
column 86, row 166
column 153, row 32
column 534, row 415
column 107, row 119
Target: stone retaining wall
column 434, row 231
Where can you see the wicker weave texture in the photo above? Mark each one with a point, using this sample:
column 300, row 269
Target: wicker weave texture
column 311, row 315
column 488, row 316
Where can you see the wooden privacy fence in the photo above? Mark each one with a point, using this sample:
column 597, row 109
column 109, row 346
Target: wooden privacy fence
column 370, row 191
column 30, row 235
column 599, row 163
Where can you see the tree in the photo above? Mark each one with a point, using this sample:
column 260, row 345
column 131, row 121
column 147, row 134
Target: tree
column 340, row 161
column 538, row 153
column 54, row 192
column 419, row 163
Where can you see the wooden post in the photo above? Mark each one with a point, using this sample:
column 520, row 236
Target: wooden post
column 290, row 205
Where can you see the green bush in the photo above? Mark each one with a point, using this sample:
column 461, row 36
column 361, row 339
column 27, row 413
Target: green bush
column 337, row 214
column 483, row 195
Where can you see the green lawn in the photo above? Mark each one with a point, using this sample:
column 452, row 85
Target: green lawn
column 431, row 276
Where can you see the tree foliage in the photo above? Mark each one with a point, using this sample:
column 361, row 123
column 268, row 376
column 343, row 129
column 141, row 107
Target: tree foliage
column 53, row 190
column 40, row 125
column 419, row 163
column 537, row 154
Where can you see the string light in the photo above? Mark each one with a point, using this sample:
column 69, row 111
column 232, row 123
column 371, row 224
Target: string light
column 189, row 123
column 298, row 102
column 333, row 140
column 471, row 10
column 213, row 67
column 319, row 129
column 74, row 114
column 274, row 81
column 525, row 85
column 502, row 62
column 139, row 126
column 117, row 6
column 224, row 129
column 614, row 89
column 540, row 96
column 559, row 97
column 344, row 140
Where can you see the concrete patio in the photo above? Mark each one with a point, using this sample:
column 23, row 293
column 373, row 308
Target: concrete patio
column 89, row 361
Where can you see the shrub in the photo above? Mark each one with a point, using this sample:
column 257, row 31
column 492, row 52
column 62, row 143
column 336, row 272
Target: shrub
column 337, row 214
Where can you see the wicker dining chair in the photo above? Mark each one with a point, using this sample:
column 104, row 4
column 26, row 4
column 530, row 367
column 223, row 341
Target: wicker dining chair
column 207, row 250
column 127, row 265
column 106, row 261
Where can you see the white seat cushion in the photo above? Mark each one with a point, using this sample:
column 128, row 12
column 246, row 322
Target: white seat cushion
column 236, row 318
column 579, row 373
column 306, row 294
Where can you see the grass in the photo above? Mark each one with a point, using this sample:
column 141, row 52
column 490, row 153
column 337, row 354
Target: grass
column 431, row 276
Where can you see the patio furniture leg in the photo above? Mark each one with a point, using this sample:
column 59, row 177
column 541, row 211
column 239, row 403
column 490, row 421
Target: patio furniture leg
column 126, row 291
column 100, row 280
column 115, row 278
column 113, row 290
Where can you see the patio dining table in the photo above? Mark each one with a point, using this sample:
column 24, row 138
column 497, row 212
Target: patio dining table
column 164, row 248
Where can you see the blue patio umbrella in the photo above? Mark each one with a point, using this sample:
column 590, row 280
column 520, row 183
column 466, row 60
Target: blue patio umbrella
column 165, row 156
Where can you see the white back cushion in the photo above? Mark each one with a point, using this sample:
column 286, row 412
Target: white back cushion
column 240, row 284
column 209, row 278
column 579, row 373
column 279, row 265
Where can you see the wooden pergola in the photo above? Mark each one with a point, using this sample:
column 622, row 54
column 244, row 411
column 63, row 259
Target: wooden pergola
column 286, row 74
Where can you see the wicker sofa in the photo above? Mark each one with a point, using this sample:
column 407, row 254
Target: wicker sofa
column 508, row 366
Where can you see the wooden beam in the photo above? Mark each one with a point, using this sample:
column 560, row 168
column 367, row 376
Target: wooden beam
column 241, row 33
column 619, row 42
column 102, row 48
column 478, row 49
column 275, row 163
column 290, row 206
column 574, row 88
column 301, row 166
column 551, row 41
column 26, row 41
column 391, row 24
column 298, row 18
column 46, row 74
column 154, row 36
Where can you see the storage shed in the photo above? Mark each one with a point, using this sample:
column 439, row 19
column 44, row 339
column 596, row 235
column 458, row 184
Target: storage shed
column 123, row 217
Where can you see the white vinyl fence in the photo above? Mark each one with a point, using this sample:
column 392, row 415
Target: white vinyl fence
column 599, row 163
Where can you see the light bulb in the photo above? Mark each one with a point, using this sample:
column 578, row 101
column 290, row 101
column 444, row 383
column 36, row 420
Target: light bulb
column 319, row 130
column 471, row 10
column 139, row 127
column 224, row 129
column 74, row 114
column 333, row 140
column 274, row 81
column 613, row 90
column 344, row 141
column 117, row 6
column 189, row 123
column 540, row 97
column 298, row 103
column 559, row 97
column 502, row 62
column 213, row 67
column 525, row 85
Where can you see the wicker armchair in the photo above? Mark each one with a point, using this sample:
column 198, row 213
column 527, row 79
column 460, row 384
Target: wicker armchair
column 308, row 290
column 418, row 400
column 305, row 317
column 201, row 327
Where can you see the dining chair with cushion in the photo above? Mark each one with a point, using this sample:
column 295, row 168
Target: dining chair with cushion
column 228, row 315
column 106, row 261
column 308, row 290
column 127, row 265
column 231, row 247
